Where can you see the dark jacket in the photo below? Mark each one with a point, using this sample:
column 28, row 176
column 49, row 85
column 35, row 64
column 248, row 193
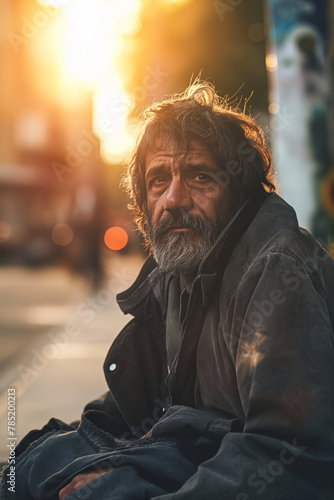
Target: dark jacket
column 245, row 411
column 257, row 345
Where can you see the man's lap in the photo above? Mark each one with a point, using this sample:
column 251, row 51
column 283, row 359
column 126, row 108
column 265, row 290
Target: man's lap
column 141, row 468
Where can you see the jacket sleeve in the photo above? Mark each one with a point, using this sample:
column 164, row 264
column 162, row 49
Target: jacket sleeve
column 103, row 412
column 278, row 332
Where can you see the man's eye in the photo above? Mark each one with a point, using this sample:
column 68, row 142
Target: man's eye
column 158, row 180
column 201, row 178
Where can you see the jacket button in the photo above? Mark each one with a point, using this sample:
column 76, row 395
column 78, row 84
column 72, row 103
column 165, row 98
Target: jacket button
column 112, row 367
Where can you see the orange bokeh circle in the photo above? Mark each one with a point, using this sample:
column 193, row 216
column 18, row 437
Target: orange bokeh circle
column 116, row 238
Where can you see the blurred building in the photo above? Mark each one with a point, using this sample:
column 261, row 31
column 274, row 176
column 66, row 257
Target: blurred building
column 51, row 186
column 75, row 77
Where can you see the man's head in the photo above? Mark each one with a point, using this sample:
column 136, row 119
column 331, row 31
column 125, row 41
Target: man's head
column 195, row 163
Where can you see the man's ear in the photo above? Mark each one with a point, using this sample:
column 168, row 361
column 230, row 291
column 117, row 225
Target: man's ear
column 143, row 222
column 144, row 229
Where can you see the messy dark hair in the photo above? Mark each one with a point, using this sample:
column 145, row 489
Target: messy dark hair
column 233, row 138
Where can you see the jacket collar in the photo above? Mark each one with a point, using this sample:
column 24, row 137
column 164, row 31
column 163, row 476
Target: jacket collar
column 211, row 269
column 129, row 301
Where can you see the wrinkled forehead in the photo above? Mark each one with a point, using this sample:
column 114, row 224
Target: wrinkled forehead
column 176, row 153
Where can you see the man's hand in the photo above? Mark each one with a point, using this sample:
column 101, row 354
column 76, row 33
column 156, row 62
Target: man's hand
column 147, row 435
column 80, row 480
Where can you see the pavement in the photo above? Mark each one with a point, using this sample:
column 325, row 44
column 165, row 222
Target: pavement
column 55, row 332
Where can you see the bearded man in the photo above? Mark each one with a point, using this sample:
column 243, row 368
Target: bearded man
column 221, row 386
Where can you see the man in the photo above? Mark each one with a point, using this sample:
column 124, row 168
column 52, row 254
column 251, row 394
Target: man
column 221, row 386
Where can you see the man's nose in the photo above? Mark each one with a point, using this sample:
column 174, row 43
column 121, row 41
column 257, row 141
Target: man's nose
column 177, row 195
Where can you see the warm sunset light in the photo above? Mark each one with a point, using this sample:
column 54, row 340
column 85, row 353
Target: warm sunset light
column 52, row 3
column 90, row 40
column 170, row 3
column 112, row 106
column 87, row 39
column 115, row 238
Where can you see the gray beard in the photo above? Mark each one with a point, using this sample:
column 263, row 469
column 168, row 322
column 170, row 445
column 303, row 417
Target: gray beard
column 177, row 252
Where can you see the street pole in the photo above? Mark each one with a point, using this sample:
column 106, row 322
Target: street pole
column 301, row 109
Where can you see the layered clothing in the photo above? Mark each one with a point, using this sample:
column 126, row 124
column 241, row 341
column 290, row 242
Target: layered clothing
column 241, row 362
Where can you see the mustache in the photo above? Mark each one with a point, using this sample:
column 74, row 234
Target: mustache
column 180, row 218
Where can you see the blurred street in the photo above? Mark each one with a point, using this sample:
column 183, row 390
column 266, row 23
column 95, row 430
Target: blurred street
column 76, row 78
column 57, row 331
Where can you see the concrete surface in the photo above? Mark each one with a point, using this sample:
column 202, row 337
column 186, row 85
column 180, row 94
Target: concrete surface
column 55, row 334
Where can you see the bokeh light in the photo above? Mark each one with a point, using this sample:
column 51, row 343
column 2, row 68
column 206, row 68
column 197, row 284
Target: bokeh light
column 273, row 108
column 5, row 231
column 116, row 238
column 62, row 234
column 271, row 62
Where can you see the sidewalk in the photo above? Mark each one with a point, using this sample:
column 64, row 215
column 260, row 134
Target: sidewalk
column 59, row 368
column 33, row 301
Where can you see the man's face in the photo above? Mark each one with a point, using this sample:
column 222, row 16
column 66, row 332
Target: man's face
column 186, row 205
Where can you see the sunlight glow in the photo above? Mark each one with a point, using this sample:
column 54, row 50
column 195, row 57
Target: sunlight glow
column 170, row 3
column 94, row 35
column 90, row 41
column 89, row 55
column 51, row 3
column 112, row 106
